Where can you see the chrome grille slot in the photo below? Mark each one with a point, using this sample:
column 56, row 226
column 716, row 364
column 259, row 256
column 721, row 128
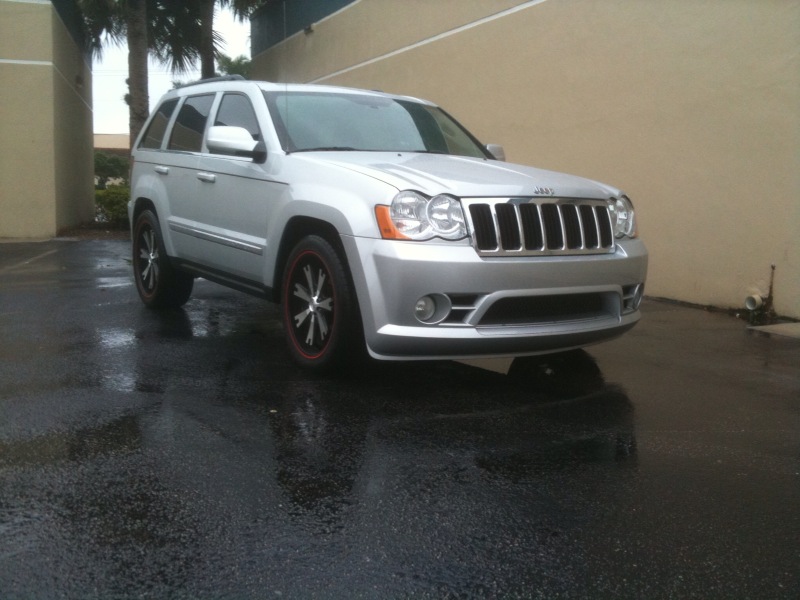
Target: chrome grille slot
column 508, row 224
column 572, row 226
column 483, row 226
column 588, row 226
column 532, row 226
column 552, row 227
column 539, row 226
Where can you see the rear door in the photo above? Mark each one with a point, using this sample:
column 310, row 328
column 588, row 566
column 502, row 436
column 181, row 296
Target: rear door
column 184, row 146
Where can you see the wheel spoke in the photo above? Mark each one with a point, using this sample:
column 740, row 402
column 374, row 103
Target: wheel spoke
column 309, row 278
column 310, row 336
column 301, row 292
column 320, row 283
column 323, row 326
column 300, row 317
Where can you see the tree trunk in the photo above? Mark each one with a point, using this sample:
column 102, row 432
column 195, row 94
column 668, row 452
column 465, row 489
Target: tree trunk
column 137, row 66
column 207, row 68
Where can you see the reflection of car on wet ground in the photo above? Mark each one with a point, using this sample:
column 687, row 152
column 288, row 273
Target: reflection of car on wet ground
column 379, row 223
column 560, row 415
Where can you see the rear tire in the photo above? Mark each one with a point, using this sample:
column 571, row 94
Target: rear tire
column 158, row 283
column 320, row 310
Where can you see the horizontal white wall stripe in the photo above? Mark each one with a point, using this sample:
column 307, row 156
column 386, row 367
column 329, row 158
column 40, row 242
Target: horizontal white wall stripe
column 432, row 39
column 37, row 63
column 45, row 63
column 333, row 14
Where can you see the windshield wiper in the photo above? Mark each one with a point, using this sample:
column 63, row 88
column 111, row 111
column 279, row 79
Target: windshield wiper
column 327, row 149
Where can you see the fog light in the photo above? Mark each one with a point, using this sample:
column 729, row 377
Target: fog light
column 425, row 309
column 632, row 296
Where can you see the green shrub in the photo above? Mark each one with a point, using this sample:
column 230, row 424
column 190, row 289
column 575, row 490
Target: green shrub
column 110, row 167
column 111, row 206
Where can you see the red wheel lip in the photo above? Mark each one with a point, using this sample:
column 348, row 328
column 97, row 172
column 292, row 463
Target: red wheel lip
column 288, row 317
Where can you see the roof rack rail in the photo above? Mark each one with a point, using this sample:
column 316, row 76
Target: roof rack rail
column 213, row 79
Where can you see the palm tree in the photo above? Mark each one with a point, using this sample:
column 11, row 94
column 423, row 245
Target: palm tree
column 136, row 26
column 169, row 29
column 176, row 32
column 242, row 9
column 115, row 20
column 234, row 66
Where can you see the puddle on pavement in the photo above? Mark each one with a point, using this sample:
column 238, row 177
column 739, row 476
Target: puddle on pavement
column 113, row 282
column 118, row 436
column 116, row 338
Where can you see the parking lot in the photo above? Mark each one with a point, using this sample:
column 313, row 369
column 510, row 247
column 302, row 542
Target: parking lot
column 182, row 454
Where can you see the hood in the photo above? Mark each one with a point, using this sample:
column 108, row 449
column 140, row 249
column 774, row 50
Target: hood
column 462, row 176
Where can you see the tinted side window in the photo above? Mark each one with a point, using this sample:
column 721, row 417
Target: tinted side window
column 236, row 110
column 187, row 133
column 158, row 125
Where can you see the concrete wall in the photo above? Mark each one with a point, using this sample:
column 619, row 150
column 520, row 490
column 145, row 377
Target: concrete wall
column 46, row 171
column 692, row 107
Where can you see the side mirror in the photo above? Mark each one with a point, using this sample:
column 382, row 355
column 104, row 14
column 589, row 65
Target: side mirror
column 497, row 151
column 235, row 141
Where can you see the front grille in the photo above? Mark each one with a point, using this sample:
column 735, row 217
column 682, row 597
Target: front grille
column 539, row 226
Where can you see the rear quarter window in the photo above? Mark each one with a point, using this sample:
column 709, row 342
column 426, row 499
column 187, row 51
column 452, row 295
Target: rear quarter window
column 154, row 135
column 187, row 133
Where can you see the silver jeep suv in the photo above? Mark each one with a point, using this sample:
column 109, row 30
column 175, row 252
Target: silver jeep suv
column 378, row 223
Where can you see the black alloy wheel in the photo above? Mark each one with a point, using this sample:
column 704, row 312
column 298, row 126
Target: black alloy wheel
column 319, row 308
column 159, row 285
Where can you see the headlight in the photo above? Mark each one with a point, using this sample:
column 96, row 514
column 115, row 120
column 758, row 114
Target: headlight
column 622, row 217
column 413, row 216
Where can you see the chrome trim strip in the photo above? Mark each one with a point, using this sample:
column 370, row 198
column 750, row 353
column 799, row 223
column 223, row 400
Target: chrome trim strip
column 216, row 238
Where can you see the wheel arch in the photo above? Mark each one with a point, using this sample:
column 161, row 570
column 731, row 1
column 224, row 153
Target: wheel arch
column 140, row 205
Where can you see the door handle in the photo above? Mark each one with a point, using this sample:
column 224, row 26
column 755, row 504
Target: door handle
column 208, row 177
column 161, row 170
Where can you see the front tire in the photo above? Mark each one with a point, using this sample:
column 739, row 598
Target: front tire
column 158, row 283
column 320, row 311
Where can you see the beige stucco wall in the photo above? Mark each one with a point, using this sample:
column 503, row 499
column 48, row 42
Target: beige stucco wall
column 692, row 107
column 73, row 131
column 46, row 172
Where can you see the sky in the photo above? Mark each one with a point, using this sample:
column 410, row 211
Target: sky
column 109, row 74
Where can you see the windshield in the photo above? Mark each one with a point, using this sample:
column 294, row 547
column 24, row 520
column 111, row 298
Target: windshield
column 315, row 121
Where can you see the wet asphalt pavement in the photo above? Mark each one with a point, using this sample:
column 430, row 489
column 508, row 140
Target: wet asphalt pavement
column 182, row 455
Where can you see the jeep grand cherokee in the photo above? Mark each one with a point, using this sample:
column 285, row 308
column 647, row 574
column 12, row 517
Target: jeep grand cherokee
column 379, row 223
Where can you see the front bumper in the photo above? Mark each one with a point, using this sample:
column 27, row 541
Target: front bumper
column 499, row 306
